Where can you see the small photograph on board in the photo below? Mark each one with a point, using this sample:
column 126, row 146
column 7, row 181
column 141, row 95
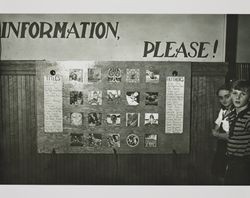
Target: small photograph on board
column 133, row 98
column 151, row 98
column 133, row 119
column 114, row 119
column 76, row 98
column 94, row 139
column 76, row 119
column 76, row 139
column 152, row 76
column 114, row 75
column 94, row 75
column 113, row 140
column 132, row 140
column 76, row 75
column 150, row 140
column 94, row 119
column 133, row 76
column 151, row 119
column 113, row 96
column 95, row 97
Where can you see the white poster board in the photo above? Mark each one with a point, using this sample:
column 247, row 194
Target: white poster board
column 53, row 110
column 174, row 104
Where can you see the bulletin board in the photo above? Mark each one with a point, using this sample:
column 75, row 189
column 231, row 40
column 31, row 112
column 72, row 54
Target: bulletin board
column 122, row 106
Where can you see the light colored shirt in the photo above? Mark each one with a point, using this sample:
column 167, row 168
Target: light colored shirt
column 223, row 121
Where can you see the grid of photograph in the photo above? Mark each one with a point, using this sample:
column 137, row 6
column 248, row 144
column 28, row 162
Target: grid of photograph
column 99, row 98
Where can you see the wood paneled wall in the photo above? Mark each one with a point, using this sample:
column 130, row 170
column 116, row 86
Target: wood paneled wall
column 21, row 164
column 243, row 71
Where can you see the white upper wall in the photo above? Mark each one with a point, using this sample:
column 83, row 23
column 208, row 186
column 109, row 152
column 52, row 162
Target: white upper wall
column 243, row 39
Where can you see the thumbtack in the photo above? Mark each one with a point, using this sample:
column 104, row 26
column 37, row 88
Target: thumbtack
column 52, row 72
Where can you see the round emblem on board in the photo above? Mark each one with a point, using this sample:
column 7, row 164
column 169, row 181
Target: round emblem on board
column 132, row 140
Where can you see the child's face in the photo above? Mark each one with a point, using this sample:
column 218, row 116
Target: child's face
column 225, row 98
column 240, row 98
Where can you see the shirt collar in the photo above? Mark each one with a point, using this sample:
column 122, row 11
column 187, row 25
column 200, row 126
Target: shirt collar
column 241, row 113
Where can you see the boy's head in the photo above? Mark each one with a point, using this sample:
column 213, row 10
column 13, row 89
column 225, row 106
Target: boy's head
column 240, row 93
column 224, row 95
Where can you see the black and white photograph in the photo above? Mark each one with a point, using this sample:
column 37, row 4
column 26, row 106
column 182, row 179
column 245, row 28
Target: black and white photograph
column 152, row 76
column 132, row 140
column 95, row 97
column 94, row 119
column 150, row 140
column 151, row 119
column 76, row 98
column 113, row 96
column 76, row 75
column 76, row 139
column 114, row 75
column 76, row 119
column 113, row 140
column 114, row 119
column 132, row 119
column 133, row 76
column 151, row 98
column 91, row 98
column 133, row 98
column 94, row 140
column 94, row 75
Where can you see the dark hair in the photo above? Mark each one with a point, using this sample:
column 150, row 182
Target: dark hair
column 242, row 85
column 151, row 116
column 113, row 117
column 226, row 86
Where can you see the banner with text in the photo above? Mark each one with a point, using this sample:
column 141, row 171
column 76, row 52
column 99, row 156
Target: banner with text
column 113, row 37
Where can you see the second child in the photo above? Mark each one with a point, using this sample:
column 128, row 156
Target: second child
column 221, row 131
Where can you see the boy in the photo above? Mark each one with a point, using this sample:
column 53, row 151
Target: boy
column 238, row 145
column 221, row 131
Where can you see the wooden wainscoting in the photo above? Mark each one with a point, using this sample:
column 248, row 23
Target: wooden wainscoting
column 243, row 71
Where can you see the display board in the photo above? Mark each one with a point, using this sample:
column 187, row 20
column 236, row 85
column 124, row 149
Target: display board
column 122, row 106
